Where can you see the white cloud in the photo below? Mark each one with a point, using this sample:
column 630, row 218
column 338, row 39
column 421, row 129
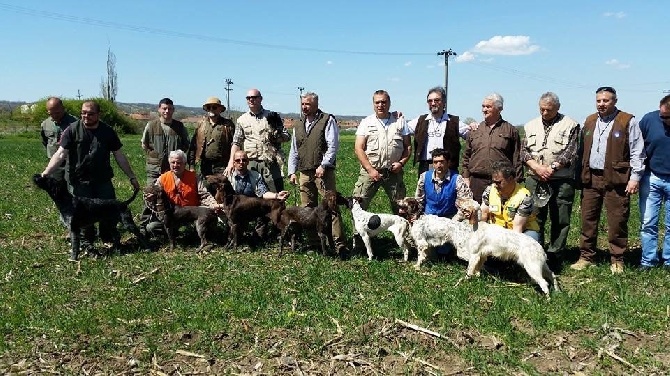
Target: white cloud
column 614, row 14
column 329, row 62
column 506, row 45
column 407, row 64
column 465, row 57
column 617, row 64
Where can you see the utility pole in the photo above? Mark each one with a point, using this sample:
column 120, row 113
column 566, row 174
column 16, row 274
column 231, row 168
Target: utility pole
column 78, row 94
column 446, row 54
column 228, row 89
column 300, row 100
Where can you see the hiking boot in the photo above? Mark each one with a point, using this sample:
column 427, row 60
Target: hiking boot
column 581, row 264
column 617, row 267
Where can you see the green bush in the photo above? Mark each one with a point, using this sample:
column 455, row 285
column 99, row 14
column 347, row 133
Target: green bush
column 109, row 114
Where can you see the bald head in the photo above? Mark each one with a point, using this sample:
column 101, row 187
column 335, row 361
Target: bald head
column 55, row 108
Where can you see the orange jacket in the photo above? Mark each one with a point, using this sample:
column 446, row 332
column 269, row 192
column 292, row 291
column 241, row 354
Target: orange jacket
column 187, row 192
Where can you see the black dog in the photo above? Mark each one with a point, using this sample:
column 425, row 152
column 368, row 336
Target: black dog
column 79, row 212
column 173, row 216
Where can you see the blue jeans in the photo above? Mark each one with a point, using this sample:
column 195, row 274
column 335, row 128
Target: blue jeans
column 533, row 234
column 654, row 190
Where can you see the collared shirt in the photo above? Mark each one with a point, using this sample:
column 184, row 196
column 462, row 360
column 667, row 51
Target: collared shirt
column 244, row 186
column 635, row 144
column 332, row 136
column 436, row 129
column 462, row 189
column 567, row 156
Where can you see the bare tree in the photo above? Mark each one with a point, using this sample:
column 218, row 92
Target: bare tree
column 108, row 87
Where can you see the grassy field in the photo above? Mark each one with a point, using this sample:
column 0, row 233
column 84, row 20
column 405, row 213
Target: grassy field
column 249, row 312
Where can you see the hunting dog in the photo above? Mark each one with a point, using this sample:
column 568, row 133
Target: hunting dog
column 490, row 240
column 173, row 216
column 241, row 209
column 316, row 220
column 430, row 231
column 368, row 225
column 79, row 212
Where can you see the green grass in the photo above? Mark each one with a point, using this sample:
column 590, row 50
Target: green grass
column 252, row 312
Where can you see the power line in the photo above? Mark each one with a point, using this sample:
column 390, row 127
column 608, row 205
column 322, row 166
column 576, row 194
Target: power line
column 209, row 38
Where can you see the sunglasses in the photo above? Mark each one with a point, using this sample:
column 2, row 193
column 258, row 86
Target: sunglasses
column 250, row 97
column 608, row 89
column 438, row 100
column 240, row 160
column 211, row 107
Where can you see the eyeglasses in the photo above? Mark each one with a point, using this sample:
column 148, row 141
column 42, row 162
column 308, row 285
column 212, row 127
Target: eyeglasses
column 240, row 160
column 88, row 113
column 608, row 89
column 250, row 97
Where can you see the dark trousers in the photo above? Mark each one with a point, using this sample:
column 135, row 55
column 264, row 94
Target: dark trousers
column 558, row 209
column 271, row 173
column 478, row 184
column 617, row 205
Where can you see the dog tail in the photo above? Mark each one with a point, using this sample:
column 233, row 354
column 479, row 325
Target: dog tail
column 128, row 201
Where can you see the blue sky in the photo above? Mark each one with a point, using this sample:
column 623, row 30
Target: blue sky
column 343, row 50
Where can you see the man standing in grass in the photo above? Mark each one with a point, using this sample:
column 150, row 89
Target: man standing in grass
column 314, row 146
column 86, row 145
column 52, row 129
column 160, row 137
column 493, row 140
column 655, row 185
column 382, row 147
column 549, row 149
column 437, row 130
column 612, row 166
column 211, row 141
column 260, row 133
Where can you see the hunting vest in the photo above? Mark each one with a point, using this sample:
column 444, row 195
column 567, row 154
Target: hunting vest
column 442, row 203
column 88, row 156
column 545, row 148
column 159, row 142
column 311, row 146
column 212, row 142
column 186, row 194
column 259, row 142
column 503, row 215
column 450, row 143
column 384, row 144
column 617, row 154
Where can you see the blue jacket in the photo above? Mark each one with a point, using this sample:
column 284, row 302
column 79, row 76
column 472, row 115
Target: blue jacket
column 656, row 137
column 442, row 204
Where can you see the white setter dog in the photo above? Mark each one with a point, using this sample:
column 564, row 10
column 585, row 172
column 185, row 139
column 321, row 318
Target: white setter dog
column 504, row 244
column 431, row 231
column 368, row 225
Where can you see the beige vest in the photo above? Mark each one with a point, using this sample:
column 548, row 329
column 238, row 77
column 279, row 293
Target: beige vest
column 556, row 142
column 257, row 141
column 384, row 144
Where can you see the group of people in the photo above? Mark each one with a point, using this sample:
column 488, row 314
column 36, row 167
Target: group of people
column 609, row 158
